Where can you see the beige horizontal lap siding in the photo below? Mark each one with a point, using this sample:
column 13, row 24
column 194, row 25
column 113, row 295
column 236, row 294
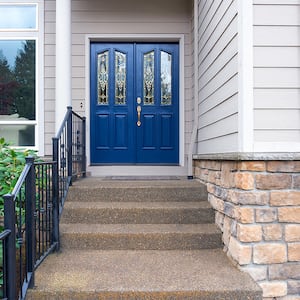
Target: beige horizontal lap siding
column 218, row 77
column 130, row 17
column 49, row 74
column 277, row 72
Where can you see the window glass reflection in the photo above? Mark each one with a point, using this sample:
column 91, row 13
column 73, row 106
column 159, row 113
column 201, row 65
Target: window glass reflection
column 149, row 78
column 103, row 78
column 18, row 135
column 18, row 17
column 17, row 80
column 120, row 78
column 166, row 78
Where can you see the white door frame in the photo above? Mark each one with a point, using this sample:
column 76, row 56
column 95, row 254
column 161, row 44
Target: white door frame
column 138, row 38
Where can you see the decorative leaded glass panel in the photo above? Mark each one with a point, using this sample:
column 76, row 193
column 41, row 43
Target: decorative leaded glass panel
column 149, row 78
column 102, row 75
column 120, row 78
column 166, row 78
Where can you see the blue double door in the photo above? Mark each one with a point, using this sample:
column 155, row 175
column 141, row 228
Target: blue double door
column 134, row 103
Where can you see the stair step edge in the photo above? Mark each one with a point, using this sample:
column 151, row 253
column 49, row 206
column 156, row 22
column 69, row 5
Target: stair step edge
column 136, row 205
column 136, row 295
column 139, row 228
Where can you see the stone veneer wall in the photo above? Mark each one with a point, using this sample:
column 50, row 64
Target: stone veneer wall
column 257, row 207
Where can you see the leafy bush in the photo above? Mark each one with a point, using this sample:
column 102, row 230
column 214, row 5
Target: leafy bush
column 12, row 162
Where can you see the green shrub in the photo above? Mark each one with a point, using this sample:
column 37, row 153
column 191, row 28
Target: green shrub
column 12, row 162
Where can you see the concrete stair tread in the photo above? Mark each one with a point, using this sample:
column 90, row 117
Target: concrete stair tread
column 92, row 272
column 96, row 182
column 136, row 205
column 139, row 228
column 140, row 236
column 137, row 212
column 95, row 189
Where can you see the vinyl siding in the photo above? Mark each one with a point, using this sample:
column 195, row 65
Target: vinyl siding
column 276, row 75
column 218, row 77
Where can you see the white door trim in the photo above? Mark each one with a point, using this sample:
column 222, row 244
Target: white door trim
column 138, row 38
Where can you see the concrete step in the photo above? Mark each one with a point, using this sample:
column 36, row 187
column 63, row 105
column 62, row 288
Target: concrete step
column 141, row 275
column 138, row 212
column 140, row 236
column 96, row 189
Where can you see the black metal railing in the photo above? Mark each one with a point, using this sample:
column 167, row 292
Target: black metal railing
column 32, row 210
column 22, row 212
column 70, row 152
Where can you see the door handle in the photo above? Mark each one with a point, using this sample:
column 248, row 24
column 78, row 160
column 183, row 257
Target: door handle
column 139, row 109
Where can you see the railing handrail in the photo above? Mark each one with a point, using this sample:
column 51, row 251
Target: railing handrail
column 21, row 179
column 59, row 132
column 77, row 115
column 48, row 162
column 4, row 234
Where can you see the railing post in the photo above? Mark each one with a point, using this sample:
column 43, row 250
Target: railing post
column 69, row 144
column 55, row 191
column 30, row 198
column 55, row 149
column 56, row 206
column 10, row 245
column 84, row 146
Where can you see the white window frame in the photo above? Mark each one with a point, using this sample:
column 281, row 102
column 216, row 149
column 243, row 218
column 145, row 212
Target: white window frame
column 37, row 35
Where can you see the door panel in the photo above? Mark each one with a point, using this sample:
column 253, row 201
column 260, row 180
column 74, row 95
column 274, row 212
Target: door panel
column 149, row 132
column 102, row 140
column 157, row 70
column 121, row 132
column 134, row 103
column 112, row 138
column 166, row 133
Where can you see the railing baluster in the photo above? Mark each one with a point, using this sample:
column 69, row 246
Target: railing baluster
column 39, row 210
column 83, row 159
column 49, row 206
column 69, row 144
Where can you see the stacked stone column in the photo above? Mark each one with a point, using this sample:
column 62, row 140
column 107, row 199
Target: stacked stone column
column 257, row 207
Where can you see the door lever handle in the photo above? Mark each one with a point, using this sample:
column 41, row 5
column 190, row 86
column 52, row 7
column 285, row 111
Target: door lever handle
column 139, row 109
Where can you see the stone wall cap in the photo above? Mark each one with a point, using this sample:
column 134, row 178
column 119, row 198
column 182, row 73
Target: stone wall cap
column 239, row 156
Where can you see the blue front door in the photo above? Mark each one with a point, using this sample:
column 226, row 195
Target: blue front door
column 134, row 103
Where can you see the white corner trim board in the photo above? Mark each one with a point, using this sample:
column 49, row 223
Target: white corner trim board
column 245, row 75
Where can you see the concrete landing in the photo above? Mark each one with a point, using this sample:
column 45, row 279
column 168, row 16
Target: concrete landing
column 200, row 274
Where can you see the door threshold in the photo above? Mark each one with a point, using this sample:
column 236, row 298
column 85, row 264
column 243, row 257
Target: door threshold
column 127, row 171
column 142, row 178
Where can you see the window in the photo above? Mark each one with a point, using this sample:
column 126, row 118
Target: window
column 18, row 16
column 19, row 72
